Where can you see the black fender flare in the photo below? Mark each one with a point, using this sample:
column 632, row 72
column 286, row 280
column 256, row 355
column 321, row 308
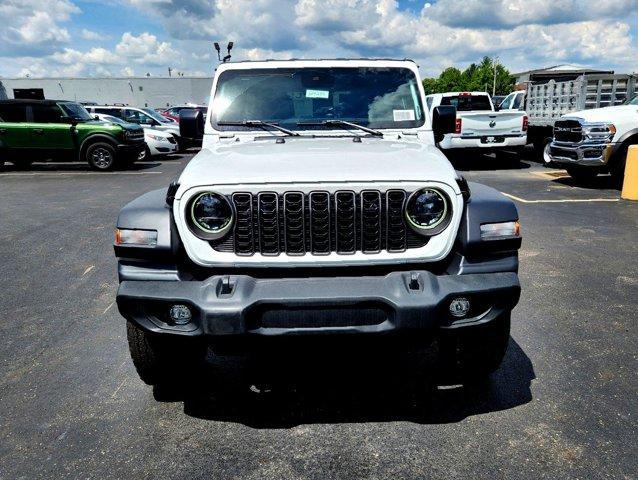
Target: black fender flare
column 92, row 138
column 485, row 205
column 150, row 212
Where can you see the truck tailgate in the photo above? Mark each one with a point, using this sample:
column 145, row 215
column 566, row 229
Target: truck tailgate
column 490, row 123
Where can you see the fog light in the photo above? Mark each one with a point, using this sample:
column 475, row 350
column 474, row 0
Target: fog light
column 459, row 307
column 180, row 314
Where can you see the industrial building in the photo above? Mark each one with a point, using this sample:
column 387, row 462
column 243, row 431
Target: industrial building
column 154, row 92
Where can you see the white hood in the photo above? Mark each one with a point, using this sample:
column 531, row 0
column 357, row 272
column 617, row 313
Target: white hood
column 608, row 114
column 317, row 160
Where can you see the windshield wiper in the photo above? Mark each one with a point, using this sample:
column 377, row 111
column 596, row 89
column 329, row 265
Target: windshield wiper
column 258, row 123
column 371, row 131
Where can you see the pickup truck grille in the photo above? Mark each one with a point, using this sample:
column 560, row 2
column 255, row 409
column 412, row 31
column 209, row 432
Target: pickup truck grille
column 319, row 223
column 569, row 131
column 135, row 137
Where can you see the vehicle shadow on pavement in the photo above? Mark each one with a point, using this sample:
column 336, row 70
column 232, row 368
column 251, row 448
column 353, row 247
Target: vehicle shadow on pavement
column 75, row 167
column 601, row 182
column 480, row 162
column 366, row 390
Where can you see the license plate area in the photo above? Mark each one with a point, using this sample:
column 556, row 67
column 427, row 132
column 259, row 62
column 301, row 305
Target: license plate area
column 492, row 139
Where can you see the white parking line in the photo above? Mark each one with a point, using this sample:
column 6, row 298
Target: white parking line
column 108, row 308
column 566, row 200
column 39, row 174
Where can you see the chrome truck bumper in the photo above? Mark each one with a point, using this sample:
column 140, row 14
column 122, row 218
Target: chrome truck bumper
column 586, row 154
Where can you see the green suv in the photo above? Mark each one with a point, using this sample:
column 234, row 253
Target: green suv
column 37, row 130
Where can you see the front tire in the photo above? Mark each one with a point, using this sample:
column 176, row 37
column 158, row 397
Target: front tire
column 144, row 155
column 581, row 173
column 541, row 149
column 101, row 156
column 471, row 355
column 23, row 165
column 160, row 360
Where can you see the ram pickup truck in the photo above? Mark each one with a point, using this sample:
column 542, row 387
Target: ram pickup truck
column 595, row 141
column 478, row 126
column 547, row 101
column 37, row 130
column 318, row 210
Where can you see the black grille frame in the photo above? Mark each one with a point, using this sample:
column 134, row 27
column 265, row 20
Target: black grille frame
column 568, row 131
column 319, row 223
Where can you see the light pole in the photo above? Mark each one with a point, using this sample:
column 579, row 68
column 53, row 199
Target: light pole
column 495, row 63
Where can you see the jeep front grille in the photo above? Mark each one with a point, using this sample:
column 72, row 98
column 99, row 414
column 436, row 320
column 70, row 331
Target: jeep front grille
column 319, row 223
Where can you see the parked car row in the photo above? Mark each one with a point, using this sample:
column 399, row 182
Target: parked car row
column 104, row 136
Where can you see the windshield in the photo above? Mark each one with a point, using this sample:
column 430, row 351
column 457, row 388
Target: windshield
column 112, row 119
column 370, row 96
column 633, row 101
column 155, row 116
column 468, row 103
column 76, row 111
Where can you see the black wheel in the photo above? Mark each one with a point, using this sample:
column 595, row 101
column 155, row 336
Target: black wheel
column 547, row 160
column 144, row 155
column 470, row 356
column 101, row 156
column 161, row 360
column 22, row 164
column 541, row 149
column 581, row 173
column 617, row 165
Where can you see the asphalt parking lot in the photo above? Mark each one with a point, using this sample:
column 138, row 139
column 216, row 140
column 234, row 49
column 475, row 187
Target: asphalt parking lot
column 563, row 405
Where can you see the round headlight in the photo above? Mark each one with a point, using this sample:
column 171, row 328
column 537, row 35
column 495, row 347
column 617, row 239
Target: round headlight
column 428, row 211
column 211, row 216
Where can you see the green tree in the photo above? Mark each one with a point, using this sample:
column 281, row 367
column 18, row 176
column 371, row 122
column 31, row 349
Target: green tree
column 476, row 77
column 429, row 85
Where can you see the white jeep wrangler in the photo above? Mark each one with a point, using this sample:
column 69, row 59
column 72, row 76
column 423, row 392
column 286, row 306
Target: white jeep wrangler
column 318, row 208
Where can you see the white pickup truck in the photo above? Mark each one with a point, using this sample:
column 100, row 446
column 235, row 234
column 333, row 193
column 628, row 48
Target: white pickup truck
column 478, row 125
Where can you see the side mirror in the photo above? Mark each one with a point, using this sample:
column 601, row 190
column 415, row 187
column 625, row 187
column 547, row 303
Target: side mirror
column 443, row 121
column 96, row 117
column 497, row 107
column 191, row 124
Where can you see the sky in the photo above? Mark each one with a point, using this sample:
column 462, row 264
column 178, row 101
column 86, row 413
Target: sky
column 71, row 38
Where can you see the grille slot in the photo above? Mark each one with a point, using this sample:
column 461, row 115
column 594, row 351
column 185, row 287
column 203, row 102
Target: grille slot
column 268, row 223
column 395, row 222
column 294, row 223
column 243, row 233
column 345, row 222
column 319, row 223
column 371, row 221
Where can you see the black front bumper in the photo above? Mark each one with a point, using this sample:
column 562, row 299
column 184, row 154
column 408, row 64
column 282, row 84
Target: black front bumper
column 239, row 305
column 130, row 149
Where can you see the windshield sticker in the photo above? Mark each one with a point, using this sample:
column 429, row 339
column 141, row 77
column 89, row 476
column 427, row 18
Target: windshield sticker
column 317, row 93
column 403, row 115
